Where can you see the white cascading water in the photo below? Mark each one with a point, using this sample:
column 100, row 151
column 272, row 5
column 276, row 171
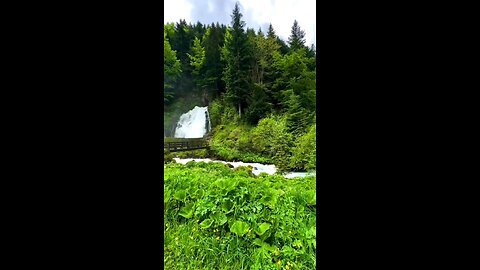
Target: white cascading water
column 193, row 124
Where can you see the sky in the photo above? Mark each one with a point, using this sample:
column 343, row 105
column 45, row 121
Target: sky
column 256, row 14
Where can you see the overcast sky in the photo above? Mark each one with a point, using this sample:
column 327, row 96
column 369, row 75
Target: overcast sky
column 256, row 13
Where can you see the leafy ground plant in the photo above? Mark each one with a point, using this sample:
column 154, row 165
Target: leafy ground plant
column 218, row 218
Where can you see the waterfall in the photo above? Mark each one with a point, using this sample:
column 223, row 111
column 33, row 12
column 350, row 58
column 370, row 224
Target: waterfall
column 193, row 124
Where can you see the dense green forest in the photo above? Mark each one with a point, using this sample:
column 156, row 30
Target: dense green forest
column 260, row 90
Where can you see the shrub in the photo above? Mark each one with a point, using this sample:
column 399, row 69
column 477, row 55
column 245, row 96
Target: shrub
column 305, row 150
column 167, row 157
column 215, row 110
column 272, row 138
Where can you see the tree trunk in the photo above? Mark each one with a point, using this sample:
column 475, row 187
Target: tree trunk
column 239, row 110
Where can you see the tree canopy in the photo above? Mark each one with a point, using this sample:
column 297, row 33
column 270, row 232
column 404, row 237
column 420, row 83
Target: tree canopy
column 253, row 71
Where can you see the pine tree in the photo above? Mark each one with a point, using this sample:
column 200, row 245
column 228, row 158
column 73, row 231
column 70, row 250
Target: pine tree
column 236, row 53
column 197, row 61
column 260, row 33
column 271, row 32
column 311, row 52
column 181, row 42
column 297, row 37
column 284, row 49
column 212, row 42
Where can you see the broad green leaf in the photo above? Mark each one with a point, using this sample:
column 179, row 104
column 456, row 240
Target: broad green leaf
column 187, row 210
column 288, row 251
column 266, row 235
column 199, row 193
column 263, row 228
column 258, row 242
column 206, row 223
column 312, row 197
column 240, row 228
column 268, row 247
column 226, row 185
column 263, row 252
column 166, row 196
column 180, row 195
column 231, row 184
column 220, row 218
column 221, row 183
column 227, row 206
column 297, row 243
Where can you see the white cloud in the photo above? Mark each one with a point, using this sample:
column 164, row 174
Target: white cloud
column 282, row 13
column 174, row 10
column 256, row 13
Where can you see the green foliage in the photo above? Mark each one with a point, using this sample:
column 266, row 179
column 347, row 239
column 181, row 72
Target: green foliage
column 171, row 66
column 263, row 228
column 207, row 223
column 224, row 219
column 297, row 37
column 239, row 228
column 244, row 77
column 272, row 138
column 235, row 142
column 230, row 219
column 297, row 116
column 212, row 41
column 167, row 157
column 305, row 151
column 237, row 56
column 187, row 210
column 259, row 106
column 271, row 141
column 197, row 61
column 221, row 112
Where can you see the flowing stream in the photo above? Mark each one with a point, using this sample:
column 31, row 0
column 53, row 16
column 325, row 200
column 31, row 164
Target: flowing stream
column 257, row 167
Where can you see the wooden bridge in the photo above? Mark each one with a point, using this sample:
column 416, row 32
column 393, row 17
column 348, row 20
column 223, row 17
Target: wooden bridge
column 184, row 144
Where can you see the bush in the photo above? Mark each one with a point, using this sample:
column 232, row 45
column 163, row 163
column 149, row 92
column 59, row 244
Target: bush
column 167, row 157
column 200, row 153
column 215, row 110
column 305, row 150
column 272, row 139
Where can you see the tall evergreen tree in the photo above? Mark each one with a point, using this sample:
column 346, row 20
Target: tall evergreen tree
column 236, row 54
column 284, row 49
column 181, row 42
column 198, row 30
column 311, row 52
column 271, row 32
column 297, row 37
column 197, row 61
column 213, row 40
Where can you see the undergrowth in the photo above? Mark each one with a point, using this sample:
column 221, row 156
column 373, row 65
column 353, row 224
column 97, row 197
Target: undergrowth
column 218, row 218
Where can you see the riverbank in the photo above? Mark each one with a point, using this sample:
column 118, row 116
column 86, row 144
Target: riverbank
column 257, row 168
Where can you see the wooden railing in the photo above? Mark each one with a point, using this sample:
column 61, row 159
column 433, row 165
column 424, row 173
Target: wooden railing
column 181, row 144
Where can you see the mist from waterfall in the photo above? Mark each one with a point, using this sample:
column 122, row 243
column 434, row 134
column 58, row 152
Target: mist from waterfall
column 193, row 124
